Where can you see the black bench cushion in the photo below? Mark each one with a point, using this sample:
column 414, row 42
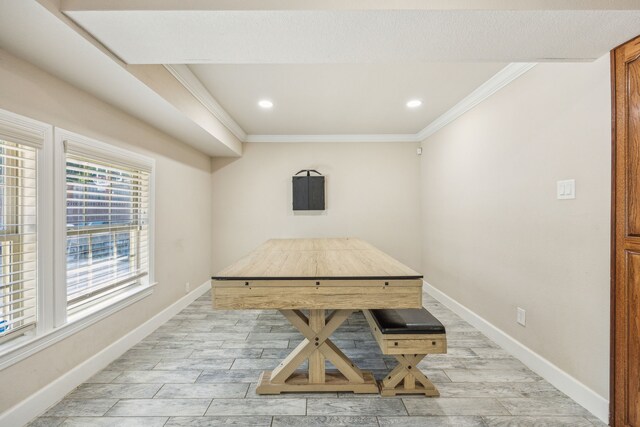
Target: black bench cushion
column 407, row 321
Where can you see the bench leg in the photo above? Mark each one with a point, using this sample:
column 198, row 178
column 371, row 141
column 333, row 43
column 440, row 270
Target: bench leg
column 406, row 378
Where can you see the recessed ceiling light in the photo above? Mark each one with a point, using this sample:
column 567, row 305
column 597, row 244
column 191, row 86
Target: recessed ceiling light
column 265, row 103
column 414, row 103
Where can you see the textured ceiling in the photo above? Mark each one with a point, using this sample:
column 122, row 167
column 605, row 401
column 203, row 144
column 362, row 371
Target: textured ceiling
column 349, row 4
column 357, row 36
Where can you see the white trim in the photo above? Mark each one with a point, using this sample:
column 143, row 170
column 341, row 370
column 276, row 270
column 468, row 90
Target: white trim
column 589, row 399
column 59, row 253
column 45, row 234
column 185, row 76
column 24, row 130
column 151, row 217
column 484, row 91
column 20, row 348
column 333, row 138
column 80, row 144
column 39, row 402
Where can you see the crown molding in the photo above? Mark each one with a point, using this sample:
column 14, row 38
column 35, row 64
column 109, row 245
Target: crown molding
column 502, row 78
column 484, row 91
column 185, row 76
column 334, row 138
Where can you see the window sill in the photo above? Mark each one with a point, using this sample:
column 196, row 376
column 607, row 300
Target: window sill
column 25, row 346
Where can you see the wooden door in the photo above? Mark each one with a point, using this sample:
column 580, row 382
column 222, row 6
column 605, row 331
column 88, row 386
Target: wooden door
column 625, row 291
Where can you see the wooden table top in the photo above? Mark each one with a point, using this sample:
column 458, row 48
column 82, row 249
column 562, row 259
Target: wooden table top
column 331, row 258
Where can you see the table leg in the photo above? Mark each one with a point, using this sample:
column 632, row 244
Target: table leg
column 316, row 360
column 316, row 347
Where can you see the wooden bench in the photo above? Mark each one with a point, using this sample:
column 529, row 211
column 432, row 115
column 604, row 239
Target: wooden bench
column 409, row 335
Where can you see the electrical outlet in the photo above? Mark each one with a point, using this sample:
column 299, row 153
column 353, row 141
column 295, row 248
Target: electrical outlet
column 187, row 287
column 521, row 316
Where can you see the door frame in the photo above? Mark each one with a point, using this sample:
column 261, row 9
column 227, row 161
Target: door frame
column 612, row 274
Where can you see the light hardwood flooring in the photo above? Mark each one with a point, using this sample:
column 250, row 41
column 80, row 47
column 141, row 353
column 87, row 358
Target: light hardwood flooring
column 201, row 367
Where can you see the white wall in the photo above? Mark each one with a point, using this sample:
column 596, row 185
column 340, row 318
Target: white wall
column 183, row 220
column 495, row 237
column 371, row 193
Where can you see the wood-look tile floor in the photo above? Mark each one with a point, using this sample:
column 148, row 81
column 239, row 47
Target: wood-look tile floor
column 201, row 367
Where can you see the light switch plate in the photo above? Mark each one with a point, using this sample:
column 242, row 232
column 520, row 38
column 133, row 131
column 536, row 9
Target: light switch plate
column 521, row 316
column 566, row 189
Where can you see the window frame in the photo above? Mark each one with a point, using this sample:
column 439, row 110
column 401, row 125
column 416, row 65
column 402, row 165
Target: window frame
column 104, row 152
column 15, row 128
column 44, row 236
column 53, row 322
column 13, row 224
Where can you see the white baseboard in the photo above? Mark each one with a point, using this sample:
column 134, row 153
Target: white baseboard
column 52, row 393
column 564, row 382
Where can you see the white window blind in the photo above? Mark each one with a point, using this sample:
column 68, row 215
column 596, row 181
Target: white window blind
column 18, row 242
column 107, row 224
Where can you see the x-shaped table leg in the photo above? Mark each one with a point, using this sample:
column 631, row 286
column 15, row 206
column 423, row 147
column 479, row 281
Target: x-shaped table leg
column 316, row 346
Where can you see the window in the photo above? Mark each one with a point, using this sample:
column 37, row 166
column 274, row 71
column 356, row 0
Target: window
column 21, row 153
column 76, row 233
column 107, row 224
column 18, row 268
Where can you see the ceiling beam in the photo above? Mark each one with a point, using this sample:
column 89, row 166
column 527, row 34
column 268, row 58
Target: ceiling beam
column 163, row 83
